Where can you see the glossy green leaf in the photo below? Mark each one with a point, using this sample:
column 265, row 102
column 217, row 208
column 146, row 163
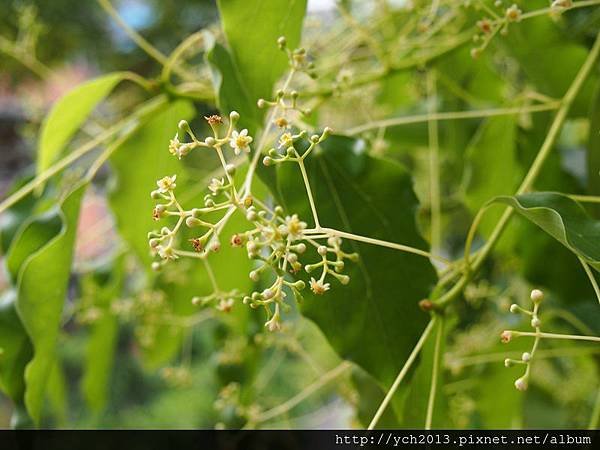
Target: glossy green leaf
column 16, row 349
column 232, row 93
column 56, row 393
column 252, row 28
column 562, row 218
column 137, row 164
column 374, row 320
column 103, row 335
column 69, row 113
column 42, row 288
column 593, row 150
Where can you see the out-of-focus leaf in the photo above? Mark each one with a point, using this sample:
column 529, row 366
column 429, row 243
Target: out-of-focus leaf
column 252, row 28
column 374, row 320
column 16, row 349
column 492, row 169
column 57, row 394
column 69, row 113
column 593, row 150
column 540, row 67
column 138, row 163
column 12, row 219
column 103, row 335
column 562, row 218
column 41, row 291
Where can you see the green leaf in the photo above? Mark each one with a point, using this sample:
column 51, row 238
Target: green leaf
column 492, row 169
column 16, row 349
column 232, row 93
column 562, row 218
column 252, row 28
column 69, row 113
column 103, row 335
column 57, row 394
column 41, row 291
column 374, row 320
column 593, row 150
column 137, row 164
column 553, row 68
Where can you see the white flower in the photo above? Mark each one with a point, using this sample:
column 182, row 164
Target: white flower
column 286, row 140
column 166, row 184
column 240, row 141
column 294, row 226
column 215, row 185
column 318, row 287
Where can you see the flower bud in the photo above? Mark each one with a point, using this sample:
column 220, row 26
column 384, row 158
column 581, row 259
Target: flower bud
column 514, row 308
column 267, row 161
column 526, row 357
column 281, row 42
column 322, row 250
column 261, row 103
column 521, row 384
column 234, row 116
column 506, row 336
column 254, row 275
column 192, row 222
column 536, row 296
column 536, row 322
column 268, row 294
column 210, row 141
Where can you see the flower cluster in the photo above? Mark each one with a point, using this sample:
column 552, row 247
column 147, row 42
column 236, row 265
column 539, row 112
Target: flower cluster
column 488, row 27
column 536, row 297
column 276, row 241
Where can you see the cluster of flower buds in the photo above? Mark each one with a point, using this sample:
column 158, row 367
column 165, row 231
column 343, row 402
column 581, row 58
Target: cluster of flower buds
column 298, row 59
column 149, row 311
column 277, row 243
column 487, row 27
column 222, row 196
column 276, row 240
column 221, row 301
column 536, row 297
column 177, row 376
column 290, row 146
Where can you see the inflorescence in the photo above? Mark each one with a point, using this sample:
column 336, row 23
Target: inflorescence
column 277, row 241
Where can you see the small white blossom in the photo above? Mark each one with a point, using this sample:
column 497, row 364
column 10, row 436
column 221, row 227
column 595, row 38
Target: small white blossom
column 294, row 227
column 240, row 141
column 318, row 287
column 166, row 184
column 286, row 140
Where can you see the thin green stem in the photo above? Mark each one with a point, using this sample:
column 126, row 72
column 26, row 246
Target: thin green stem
column 306, row 392
column 584, row 198
column 532, row 174
column 573, row 337
column 379, row 242
column 309, row 193
column 407, row 365
column 434, row 165
column 437, row 357
column 140, row 41
column 595, row 418
column 72, row 157
column 453, row 115
column 591, row 276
